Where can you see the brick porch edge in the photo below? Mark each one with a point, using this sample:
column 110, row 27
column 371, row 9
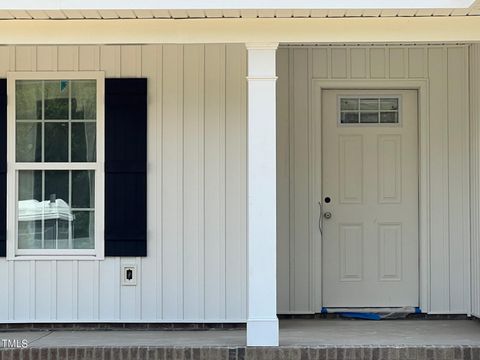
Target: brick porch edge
column 243, row 353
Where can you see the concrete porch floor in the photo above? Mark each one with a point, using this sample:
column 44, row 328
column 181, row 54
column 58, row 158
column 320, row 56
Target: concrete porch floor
column 338, row 339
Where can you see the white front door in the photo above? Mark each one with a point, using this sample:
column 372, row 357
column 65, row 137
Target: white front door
column 370, row 198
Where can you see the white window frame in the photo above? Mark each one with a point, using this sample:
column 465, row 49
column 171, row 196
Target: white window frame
column 13, row 167
column 364, row 96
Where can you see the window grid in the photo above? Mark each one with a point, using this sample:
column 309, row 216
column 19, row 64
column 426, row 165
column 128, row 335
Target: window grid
column 349, row 115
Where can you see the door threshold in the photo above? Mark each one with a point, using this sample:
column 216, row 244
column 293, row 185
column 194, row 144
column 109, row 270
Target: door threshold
column 402, row 309
column 376, row 313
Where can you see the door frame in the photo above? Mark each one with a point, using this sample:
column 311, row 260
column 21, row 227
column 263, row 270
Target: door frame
column 315, row 181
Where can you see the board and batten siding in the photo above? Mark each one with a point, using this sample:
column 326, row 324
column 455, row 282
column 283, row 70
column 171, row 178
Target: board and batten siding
column 446, row 68
column 475, row 173
column 195, row 270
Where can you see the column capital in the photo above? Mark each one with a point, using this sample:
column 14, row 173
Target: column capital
column 261, row 46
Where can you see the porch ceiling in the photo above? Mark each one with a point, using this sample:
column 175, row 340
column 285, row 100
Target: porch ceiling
column 195, row 9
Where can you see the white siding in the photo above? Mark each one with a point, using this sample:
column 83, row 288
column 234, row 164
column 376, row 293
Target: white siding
column 446, row 68
column 195, row 269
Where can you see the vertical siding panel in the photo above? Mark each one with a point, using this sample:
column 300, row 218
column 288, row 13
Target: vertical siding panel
column 149, row 269
column 5, row 60
column 475, row 176
column 5, row 289
column 458, row 183
column 67, row 58
column 130, row 301
column 339, row 63
column 377, row 63
column 215, row 181
column 109, row 281
column 172, row 182
column 46, row 58
column 416, row 62
column 235, row 188
column 86, row 292
column 65, row 292
column 397, row 62
column 439, row 205
column 299, row 175
column 159, row 180
column 43, row 289
column 25, row 58
column 22, row 292
column 131, row 61
column 193, row 165
column 89, row 58
column 319, row 62
column 358, row 63
column 283, row 179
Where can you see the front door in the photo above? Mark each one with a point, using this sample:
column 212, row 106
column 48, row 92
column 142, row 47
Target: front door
column 370, row 198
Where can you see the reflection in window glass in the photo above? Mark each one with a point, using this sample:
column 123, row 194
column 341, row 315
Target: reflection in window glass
column 56, row 209
column 28, row 100
column 84, row 100
column 29, row 141
column 56, row 94
column 369, row 110
column 65, row 112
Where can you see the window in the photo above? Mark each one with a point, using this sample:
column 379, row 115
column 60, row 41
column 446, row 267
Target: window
column 55, row 183
column 369, row 110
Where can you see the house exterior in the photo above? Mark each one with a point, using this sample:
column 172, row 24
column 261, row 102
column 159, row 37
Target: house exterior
column 225, row 162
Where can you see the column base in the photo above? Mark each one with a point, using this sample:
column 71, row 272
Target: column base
column 262, row 332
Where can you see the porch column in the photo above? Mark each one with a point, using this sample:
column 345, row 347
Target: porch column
column 262, row 323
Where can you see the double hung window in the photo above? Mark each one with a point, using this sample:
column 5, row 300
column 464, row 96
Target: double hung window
column 55, row 157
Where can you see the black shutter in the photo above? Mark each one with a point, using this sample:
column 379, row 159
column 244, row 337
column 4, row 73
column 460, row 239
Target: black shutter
column 3, row 167
column 125, row 167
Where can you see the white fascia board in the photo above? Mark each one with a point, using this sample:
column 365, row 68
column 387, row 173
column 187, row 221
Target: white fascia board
column 229, row 4
column 451, row 29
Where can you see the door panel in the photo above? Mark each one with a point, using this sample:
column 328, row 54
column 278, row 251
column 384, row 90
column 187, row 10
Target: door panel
column 370, row 173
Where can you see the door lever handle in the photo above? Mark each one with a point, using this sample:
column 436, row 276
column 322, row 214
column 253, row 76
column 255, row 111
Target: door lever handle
column 320, row 218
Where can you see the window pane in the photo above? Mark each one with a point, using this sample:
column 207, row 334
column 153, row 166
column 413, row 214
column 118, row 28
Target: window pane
column 56, row 187
column 56, row 100
column 389, row 104
column 28, row 142
column 56, row 142
column 389, row 117
column 83, row 230
column 368, row 104
column 29, row 233
column 368, row 118
column 349, row 117
column 348, row 104
column 84, row 142
column 30, row 212
column 84, row 99
column 30, row 185
column 28, row 100
column 83, row 189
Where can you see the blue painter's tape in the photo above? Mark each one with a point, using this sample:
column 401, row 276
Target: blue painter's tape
column 358, row 315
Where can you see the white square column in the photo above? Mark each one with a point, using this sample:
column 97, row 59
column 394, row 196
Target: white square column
column 262, row 322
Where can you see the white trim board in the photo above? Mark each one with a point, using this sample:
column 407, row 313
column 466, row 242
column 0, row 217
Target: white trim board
column 421, row 85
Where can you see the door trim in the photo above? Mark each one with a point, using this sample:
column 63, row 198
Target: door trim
column 315, row 162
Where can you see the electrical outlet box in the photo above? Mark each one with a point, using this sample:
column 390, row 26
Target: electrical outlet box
column 129, row 274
